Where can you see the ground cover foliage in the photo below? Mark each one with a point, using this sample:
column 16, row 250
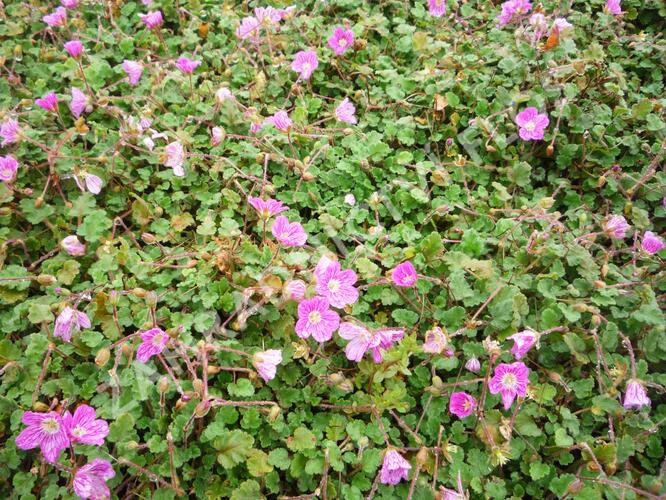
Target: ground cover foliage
column 456, row 291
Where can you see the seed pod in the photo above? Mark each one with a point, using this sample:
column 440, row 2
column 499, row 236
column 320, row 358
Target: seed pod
column 38, row 202
column 148, row 238
column 102, row 357
column 550, row 150
column 197, row 385
column 214, row 370
column 139, row 292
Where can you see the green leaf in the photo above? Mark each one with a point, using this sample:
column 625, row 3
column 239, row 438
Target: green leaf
column 233, row 448
column 303, row 439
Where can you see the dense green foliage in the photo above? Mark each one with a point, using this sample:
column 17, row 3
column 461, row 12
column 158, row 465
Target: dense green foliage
column 499, row 228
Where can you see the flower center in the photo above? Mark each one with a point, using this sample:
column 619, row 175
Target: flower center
column 50, row 425
column 314, row 317
column 305, row 67
column 509, row 381
column 284, row 235
column 467, row 405
column 157, row 340
column 342, row 42
column 78, row 431
column 334, row 285
column 530, row 126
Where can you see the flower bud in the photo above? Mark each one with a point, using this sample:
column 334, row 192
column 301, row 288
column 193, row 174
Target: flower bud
column 102, row 357
column 139, row 292
column 114, row 296
column 422, row 456
column 163, row 384
column 274, row 413
column 46, row 279
column 126, row 350
column 148, row 238
column 197, row 385
column 202, row 409
column 40, row 407
column 151, row 299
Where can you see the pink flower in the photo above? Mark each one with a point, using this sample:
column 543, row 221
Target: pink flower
column 363, row 340
column 187, row 65
column 93, row 183
column 69, row 4
column 350, row 199
column 404, row 275
column 289, row 234
column 84, row 427
column 49, row 102
column 305, row 62
column 437, row 8
column 316, row 319
column 635, row 397
column 613, row 6
column 334, row 284
column 532, row 124
column 57, row 18
column 435, row 341
column 223, row 94
column 8, row 168
column 360, row 340
column 652, row 243
column 70, row 321
column 510, row 380
column 394, row 469
column 387, row 337
column 90, row 480
column 280, row 121
column 341, row 40
column 217, row 134
column 255, row 128
column 266, row 363
column 154, row 342
column 267, row 208
column 473, row 365
column 513, row 9
column 616, row 227
column 294, row 290
column 345, row 112
column 249, row 28
column 538, row 22
column 78, row 103
column 462, row 404
column 268, row 15
column 523, row 342
column 152, row 20
column 46, row 431
column 175, row 158
column 74, row 48
column 73, row 246
column 133, row 70
column 9, row 131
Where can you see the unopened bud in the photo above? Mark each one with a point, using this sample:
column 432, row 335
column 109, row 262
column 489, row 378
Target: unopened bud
column 139, row 292
column 274, row 413
column 46, row 279
column 148, row 238
column 151, row 299
column 102, row 357
column 114, row 296
column 599, row 284
column 422, row 456
column 550, row 150
column 202, row 409
column 40, row 407
column 163, row 384
column 197, row 385
column 213, row 370
column 132, row 445
column 126, row 350
column 38, row 202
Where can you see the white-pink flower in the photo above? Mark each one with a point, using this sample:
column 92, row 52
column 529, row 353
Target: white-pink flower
column 345, row 111
column 175, row 158
column 134, row 70
column 266, row 363
column 78, row 103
